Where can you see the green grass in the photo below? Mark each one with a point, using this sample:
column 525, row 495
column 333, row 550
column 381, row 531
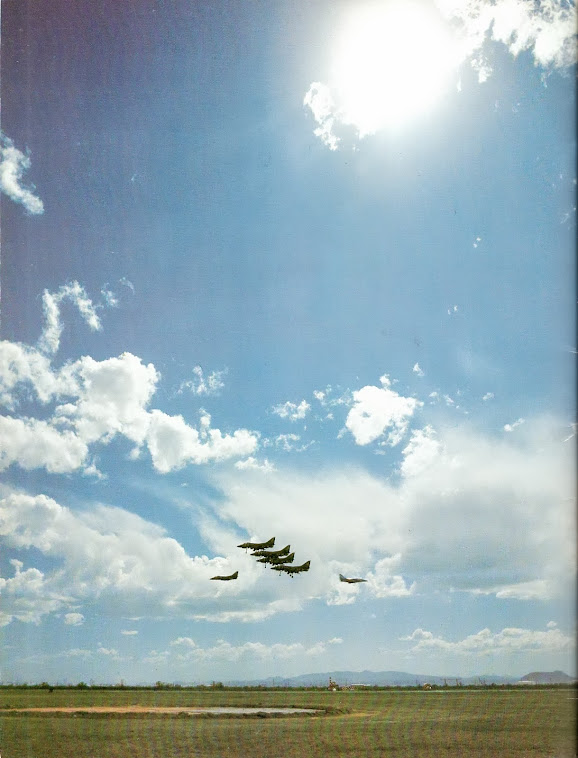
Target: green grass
column 404, row 724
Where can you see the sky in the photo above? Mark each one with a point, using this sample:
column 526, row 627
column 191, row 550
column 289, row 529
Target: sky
column 296, row 270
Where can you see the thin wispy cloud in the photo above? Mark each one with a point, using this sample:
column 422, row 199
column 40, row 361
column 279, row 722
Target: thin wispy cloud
column 511, row 427
column 73, row 619
column 49, row 341
column 204, row 385
column 13, row 165
column 418, row 370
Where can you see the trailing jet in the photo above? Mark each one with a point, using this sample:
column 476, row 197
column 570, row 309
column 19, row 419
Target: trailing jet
column 350, row 581
column 292, row 569
column 257, row 545
column 272, row 553
column 277, row 559
column 226, row 578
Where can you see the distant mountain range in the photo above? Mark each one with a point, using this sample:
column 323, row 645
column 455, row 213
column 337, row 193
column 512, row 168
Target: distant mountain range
column 548, row 677
column 400, row 679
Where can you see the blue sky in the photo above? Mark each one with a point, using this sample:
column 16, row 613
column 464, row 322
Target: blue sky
column 303, row 270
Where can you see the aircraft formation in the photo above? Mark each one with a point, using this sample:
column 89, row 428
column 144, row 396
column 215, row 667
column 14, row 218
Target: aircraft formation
column 280, row 560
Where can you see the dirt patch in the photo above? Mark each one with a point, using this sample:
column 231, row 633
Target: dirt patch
column 169, row 710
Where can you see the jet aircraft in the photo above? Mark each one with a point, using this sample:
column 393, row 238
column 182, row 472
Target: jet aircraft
column 292, row 569
column 227, row 578
column 257, row 545
column 277, row 559
column 272, row 553
column 350, row 581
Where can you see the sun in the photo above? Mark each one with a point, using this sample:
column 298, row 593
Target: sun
column 391, row 61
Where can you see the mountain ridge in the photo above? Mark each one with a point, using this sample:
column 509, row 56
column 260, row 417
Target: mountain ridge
column 400, row 679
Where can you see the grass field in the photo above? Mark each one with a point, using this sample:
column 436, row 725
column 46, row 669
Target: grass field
column 450, row 723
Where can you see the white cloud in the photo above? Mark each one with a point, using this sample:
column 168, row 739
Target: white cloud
column 289, row 443
column 13, row 164
column 386, row 584
column 49, row 341
column 173, row 443
column 73, row 619
column 547, row 29
column 99, row 556
column 28, row 596
column 377, row 410
column 485, row 642
column 31, row 444
column 224, row 651
column 126, row 283
column 453, row 309
column 108, row 651
column 253, row 463
column 488, row 396
column 417, row 370
column 445, row 521
column 374, row 75
column 102, row 399
column 186, row 641
column 201, row 385
column 292, row 411
column 538, row 589
column 319, row 100
column 129, row 632
column 422, row 450
column 493, row 516
column 511, row 427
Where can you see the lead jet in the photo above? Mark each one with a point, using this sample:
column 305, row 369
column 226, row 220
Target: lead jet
column 226, row 578
column 292, row 569
column 277, row 560
column 257, row 545
column 350, row 581
column 272, row 553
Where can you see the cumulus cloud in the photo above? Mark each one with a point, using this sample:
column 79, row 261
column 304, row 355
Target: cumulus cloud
column 13, row 164
column 28, row 595
column 173, row 443
column 380, row 410
column 462, row 496
column 292, row 411
column 485, row 642
column 93, row 402
column 101, row 555
column 488, row 396
column 422, row 450
column 204, row 385
column 472, row 513
column 417, row 370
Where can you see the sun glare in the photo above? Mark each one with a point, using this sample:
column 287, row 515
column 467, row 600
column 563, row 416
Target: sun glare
column 391, row 62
